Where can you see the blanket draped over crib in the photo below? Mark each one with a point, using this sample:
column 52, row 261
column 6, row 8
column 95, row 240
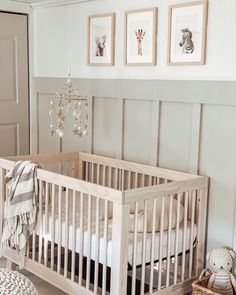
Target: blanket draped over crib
column 21, row 207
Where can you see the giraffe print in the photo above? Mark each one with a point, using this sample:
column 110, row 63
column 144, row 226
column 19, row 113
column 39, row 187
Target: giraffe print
column 140, row 35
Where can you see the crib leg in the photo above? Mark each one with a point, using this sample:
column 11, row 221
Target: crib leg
column 10, row 265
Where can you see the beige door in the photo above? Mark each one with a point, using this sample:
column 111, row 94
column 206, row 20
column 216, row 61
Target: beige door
column 14, row 113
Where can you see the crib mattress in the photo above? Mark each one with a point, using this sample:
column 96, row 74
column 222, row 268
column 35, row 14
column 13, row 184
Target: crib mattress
column 68, row 241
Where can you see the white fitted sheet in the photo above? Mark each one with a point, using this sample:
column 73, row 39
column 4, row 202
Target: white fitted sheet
column 68, row 242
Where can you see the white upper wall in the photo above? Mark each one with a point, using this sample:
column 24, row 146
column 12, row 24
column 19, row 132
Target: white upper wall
column 60, row 41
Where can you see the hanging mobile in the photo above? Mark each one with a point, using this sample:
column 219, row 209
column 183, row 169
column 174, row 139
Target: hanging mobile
column 78, row 109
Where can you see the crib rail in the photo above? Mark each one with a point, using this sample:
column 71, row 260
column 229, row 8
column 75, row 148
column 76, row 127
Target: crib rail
column 138, row 169
column 65, row 164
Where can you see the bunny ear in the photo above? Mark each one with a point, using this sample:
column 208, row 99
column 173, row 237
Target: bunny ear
column 232, row 253
column 208, row 257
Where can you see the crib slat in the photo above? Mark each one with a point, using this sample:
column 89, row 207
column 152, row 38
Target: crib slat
column 81, row 239
column 129, row 180
column 152, row 244
column 97, row 247
column 104, row 175
column 169, row 241
column 104, row 270
column 184, row 235
column 136, row 180
column 150, row 180
column 177, row 239
column 89, row 242
column 122, row 179
column 87, row 171
column 59, row 230
column 53, row 226
column 92, row 172
column 98, row 174
column 135, row 249
column 143, row 180
column 116, row 179
column 193, row 201
column 46, row 225
column 33, row 245
column 110, row 176
column 144, row 247
column 40, row 220
column 66, row 233
column 73, row 236
column 161, row 242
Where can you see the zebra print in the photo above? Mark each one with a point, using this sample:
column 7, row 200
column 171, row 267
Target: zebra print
column 187, row 43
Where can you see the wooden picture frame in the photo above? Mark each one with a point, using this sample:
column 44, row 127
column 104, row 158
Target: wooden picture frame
column 150, row 58
column 101, row 30
column 189, row 48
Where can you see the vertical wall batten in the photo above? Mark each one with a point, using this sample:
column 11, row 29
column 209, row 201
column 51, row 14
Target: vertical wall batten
column 195, row 138
column 120, row 126
column 90, row 142
column 155, row 132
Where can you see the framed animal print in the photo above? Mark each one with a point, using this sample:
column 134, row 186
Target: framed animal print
column 187, row 33
column 101, row 39
column 141, row 37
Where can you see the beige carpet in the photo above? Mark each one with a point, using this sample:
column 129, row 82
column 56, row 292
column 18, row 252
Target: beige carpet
column 42, row 287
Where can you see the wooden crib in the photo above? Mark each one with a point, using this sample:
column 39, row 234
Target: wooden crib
column 108, row 226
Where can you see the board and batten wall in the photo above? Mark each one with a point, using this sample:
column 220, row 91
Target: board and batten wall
column 181, row 118
column 182, row 125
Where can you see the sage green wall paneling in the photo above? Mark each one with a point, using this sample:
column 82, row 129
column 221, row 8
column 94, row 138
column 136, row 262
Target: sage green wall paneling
column 218, row 160
column 137, row 130
column 188, row 126
column 46, row 142
column 105, row 126
column 175, row 135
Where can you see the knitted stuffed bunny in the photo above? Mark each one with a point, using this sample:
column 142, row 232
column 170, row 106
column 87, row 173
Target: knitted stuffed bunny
column 220, row 262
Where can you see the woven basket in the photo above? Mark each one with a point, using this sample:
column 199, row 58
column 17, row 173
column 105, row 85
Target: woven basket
column 200, row 286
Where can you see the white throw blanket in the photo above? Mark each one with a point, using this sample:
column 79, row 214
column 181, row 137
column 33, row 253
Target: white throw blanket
column 21, row 207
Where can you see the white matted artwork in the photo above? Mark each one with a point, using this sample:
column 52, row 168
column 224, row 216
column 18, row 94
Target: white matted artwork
column 140, row 37
column 101, row 39
column 187, row 33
